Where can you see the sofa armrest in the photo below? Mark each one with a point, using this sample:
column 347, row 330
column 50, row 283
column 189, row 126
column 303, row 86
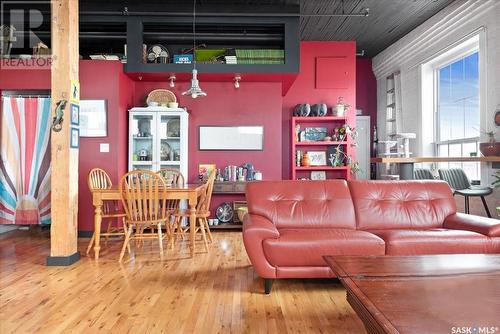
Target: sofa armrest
column 255, row 230
column 461, row 221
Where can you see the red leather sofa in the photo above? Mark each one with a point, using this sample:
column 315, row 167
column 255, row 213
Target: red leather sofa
column 291, row 225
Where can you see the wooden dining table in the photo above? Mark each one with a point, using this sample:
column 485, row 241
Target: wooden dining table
column 188, row 192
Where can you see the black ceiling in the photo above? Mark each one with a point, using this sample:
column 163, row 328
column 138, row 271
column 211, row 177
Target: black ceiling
column 389, row 20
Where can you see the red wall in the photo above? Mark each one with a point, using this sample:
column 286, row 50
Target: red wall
column 254, row 103
column 303, row 89
column 99, row 80
column 103, row 80
column 366, row 90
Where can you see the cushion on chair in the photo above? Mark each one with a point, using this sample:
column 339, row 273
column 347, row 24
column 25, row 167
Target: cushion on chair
column 433, row 241
column 474, row 191
column 306, row 247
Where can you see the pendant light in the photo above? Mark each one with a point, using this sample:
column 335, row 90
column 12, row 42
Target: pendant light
column 194, row 91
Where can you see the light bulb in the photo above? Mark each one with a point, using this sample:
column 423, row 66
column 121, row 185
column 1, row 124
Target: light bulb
column 172, row 80
column 194, row 96
column 237, row 79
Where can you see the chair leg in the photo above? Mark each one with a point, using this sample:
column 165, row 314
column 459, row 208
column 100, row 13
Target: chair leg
column 125, row 234
column 160, row 240
column 486, row 206
column 208, row 230
column 108, row 231
column 91, row 243
column 466, row 204
column 202, row 228
column 125, row 242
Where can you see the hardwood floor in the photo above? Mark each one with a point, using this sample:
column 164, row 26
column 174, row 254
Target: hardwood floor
column 212, row 293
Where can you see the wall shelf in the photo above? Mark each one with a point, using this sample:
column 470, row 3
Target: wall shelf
column 326, row 168
column 320, row 143
column 227, row 226
column 330, row 123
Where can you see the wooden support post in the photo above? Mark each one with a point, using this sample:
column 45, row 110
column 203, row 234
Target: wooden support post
column 64, row 168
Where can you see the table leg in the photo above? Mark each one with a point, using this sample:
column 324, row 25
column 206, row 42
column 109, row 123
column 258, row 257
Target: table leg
column 406, row 171
column 97, row 230
column 192, row 225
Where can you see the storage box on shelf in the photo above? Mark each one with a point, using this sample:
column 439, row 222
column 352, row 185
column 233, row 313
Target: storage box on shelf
column 318, row 144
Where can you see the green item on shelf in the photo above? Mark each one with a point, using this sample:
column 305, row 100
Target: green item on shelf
column 260, row 56
column 209, row 55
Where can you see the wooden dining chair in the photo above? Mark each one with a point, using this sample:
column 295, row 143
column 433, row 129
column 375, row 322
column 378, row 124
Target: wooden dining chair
column 98, row 179
column 144, row 201
column 202, row 214
column 172, row 177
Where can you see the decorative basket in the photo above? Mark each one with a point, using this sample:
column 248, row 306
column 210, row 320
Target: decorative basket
column 161, row 96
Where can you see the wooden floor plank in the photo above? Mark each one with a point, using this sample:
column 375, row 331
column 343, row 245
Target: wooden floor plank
column 216, row 292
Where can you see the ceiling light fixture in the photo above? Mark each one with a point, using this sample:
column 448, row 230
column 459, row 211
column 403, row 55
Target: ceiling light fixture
column 172, row 79
column 237, row 79
column 194, row 91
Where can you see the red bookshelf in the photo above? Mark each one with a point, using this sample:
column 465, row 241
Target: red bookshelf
column 330, row 123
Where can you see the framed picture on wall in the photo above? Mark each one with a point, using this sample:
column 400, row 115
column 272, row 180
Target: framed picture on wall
column 231, row 138
column 75, row 114
column 93, row 118
column 75, row 138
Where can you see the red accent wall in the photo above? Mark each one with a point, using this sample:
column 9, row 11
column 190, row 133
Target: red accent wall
column 366, row 90
column 99, row 80
column 103, row 80
column 304, row 88
column 254, row 103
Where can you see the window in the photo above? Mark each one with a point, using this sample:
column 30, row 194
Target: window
column 458, row 113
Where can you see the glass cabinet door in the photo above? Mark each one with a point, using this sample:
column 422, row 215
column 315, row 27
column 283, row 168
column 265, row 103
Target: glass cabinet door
column 142, row 132
column 169, row 137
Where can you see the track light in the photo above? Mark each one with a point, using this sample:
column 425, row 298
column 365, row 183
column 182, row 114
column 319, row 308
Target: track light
column 237, row 79
column 172, row 79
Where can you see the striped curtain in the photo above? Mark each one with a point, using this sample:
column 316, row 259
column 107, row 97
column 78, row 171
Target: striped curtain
column 25, row 161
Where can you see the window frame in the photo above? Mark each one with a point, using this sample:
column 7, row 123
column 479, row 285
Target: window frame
column 462, row 51
column 436, row 69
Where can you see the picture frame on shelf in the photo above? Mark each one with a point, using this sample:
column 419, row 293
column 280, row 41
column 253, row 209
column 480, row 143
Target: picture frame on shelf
column 315, row 134
column 93, row 118
column 204, row 170
column 236, row 206
column 317, row 158
column 318, row 175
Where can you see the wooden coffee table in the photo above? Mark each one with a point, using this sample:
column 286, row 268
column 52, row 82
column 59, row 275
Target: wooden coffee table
column 423, row 294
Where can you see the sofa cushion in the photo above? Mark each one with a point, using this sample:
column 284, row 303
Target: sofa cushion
column 433, row 241
column 306, row 247
column 308, row 204
column 401, row 204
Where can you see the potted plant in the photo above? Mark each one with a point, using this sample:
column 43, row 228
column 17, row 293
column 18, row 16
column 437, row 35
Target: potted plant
column 339, row 157
column 492, row 147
